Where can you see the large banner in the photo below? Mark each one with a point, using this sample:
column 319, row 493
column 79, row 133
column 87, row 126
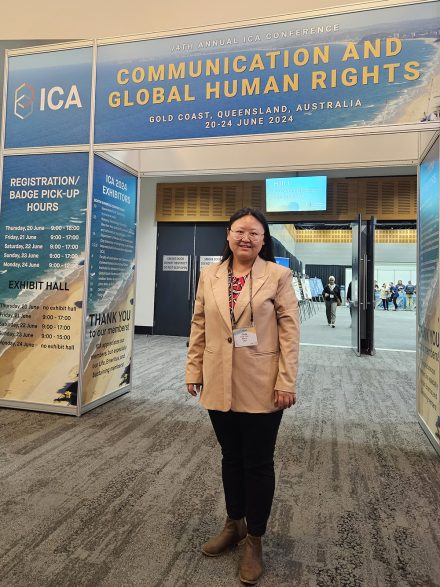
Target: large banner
column 48, row 102
column 110, row 306
column 376, row 67
column 428, row 403
column 42, row 234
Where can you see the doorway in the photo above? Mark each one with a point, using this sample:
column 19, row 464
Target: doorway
column 395, row 270
column 182, row 250
column 345, row 251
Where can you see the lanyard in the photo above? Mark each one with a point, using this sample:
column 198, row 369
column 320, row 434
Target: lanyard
column 231, row 308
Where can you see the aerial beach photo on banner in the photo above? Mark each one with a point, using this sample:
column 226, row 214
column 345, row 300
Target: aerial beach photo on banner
column 375, row 67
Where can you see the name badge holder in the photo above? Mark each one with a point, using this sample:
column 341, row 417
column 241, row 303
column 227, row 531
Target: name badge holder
column 246, row 336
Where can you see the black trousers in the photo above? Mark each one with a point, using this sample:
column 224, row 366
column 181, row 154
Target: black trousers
column 248, row 444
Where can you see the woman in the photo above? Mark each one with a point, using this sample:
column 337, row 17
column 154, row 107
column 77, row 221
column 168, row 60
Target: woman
column 394, row 294
column 332, row 298
column 384, row 293
column 242, row 359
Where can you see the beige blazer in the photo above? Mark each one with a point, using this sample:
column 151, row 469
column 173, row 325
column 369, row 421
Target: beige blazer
column 244, row 379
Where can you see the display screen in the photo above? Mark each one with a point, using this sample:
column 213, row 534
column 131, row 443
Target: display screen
column 296, row 194
column 284, row 261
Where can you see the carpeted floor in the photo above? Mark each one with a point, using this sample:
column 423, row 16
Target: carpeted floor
column 124, row 495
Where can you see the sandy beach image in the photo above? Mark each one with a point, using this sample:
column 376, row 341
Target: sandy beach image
column 36, row 374
column 424, row 98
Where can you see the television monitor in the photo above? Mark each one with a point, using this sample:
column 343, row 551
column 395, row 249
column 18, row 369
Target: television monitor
column 296, row 194
column 284, row 261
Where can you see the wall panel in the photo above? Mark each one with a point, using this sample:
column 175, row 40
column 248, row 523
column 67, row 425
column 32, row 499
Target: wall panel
column 387, row 198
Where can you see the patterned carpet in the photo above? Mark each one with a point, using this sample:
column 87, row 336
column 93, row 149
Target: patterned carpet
column 124, row 495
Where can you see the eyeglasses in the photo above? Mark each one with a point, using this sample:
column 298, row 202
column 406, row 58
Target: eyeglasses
column 238, row 235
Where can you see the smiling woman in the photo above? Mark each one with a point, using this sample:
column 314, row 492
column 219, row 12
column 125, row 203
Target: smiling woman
column 243, row 359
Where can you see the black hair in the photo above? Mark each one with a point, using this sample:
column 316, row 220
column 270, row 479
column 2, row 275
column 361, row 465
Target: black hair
column 266, row 252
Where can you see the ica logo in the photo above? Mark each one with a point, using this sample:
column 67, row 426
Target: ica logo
column 55, row 98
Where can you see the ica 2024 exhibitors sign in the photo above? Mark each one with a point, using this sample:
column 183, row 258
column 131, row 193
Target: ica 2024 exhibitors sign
column 110, row 305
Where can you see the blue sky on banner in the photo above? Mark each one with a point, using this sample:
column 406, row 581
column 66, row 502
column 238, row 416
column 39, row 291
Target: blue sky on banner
column 377, row 67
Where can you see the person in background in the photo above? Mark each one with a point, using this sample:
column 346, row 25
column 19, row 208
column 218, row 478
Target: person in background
column 394, row 294
column 332, row 298
column 348, row 299
column 243, row 360
column 401, row 290
column 409, row 292
column 384, row 293
column 376, row 292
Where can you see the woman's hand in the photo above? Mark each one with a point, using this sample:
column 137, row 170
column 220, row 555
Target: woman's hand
column 194, row 388
column 284, row 399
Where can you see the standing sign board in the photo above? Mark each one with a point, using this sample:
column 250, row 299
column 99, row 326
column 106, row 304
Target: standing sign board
column 110, row 301
column 428, row 372
column 42, row 233
column 307, row 289
column 297, row 288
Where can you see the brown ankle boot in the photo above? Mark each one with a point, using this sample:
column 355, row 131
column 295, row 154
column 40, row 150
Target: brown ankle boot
column 251, row 563
column 233, row 533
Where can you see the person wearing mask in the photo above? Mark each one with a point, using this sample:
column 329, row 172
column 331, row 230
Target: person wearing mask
column 243, row 361
column 409, row 292
column 332, row 298
column 384, row 293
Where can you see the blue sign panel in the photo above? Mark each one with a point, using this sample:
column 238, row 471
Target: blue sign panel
column 48, row 102
column 112, row 247
column 42, row 237
column 377, row 67
column 284, row 261
column 110, row 309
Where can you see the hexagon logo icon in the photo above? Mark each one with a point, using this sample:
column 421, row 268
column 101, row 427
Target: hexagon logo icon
column 24, row 101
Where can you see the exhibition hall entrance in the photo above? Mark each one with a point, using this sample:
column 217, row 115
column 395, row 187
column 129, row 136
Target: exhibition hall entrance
column 345, row 251
column 378, row 308
column 183, row 249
